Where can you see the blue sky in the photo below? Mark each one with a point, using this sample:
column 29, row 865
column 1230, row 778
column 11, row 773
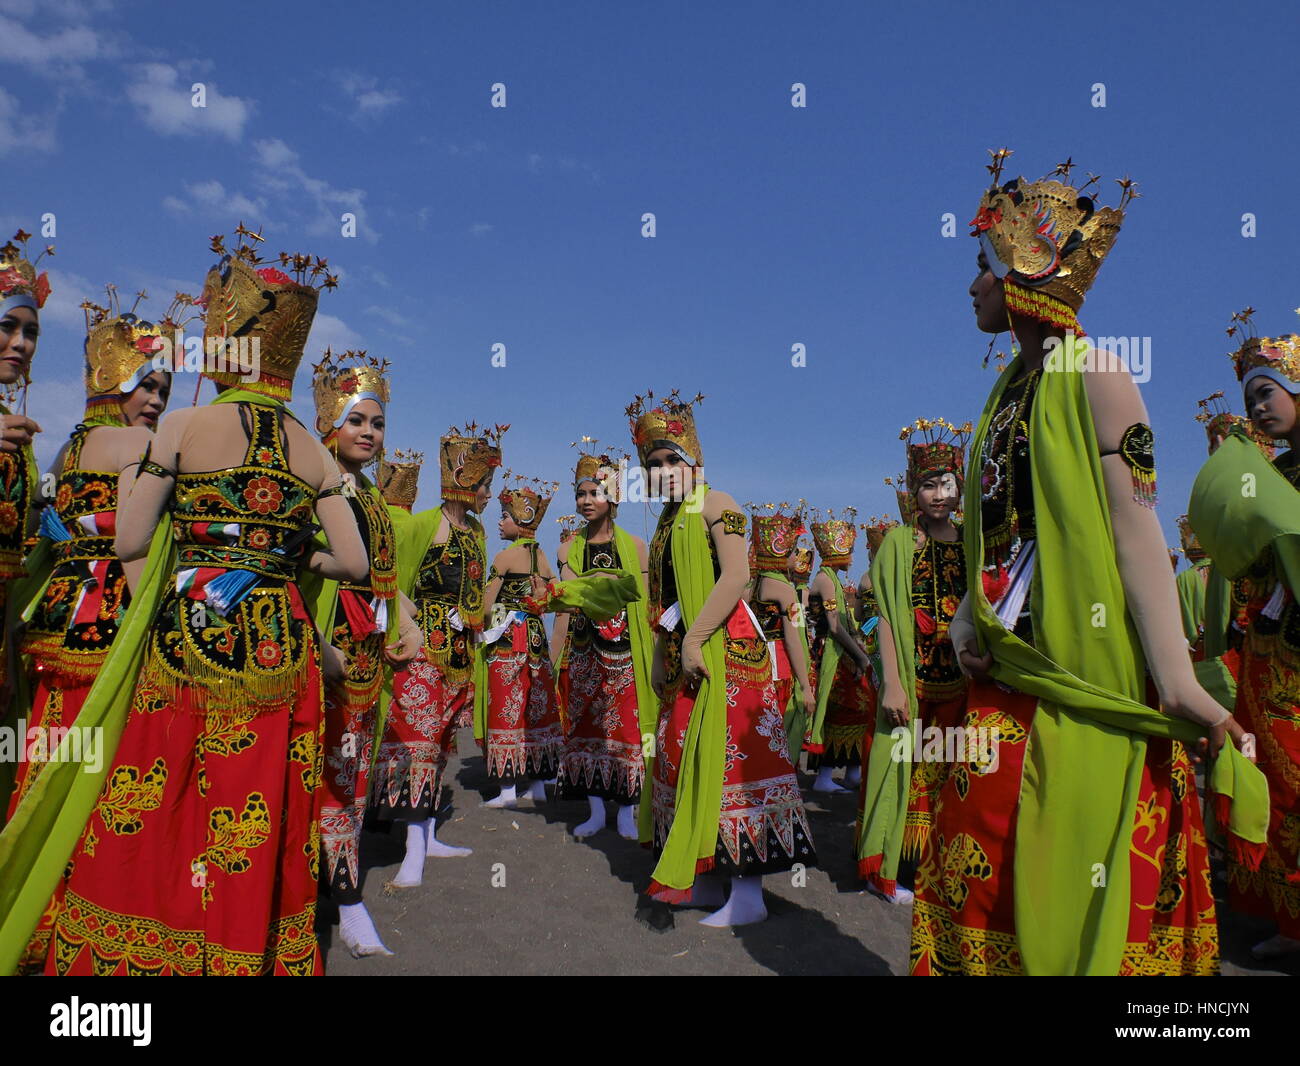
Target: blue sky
column 775, row 225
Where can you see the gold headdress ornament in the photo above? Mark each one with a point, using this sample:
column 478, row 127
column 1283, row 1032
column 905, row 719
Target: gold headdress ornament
column 340, row 382
column 1276, row 358
column 1218, row 422
column 875, row 532
column 1173, row 558
column 668, row 423
column 251, row 302
column 398, row 478
column 1046, row 240
column 835, row 537
column 801, row 564
column 121, row 350
column 906, row 500
column 935, row 447
column 1191, row 546
column 600, row 467
column 569, row 526
column 775, row 533
column 20, row 285
column 526, row 500
column 466, row 456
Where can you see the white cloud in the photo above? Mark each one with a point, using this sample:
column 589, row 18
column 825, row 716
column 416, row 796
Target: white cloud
column 281, row 171
column 59, row 55
column 165, row 103
column 479, row 229
column 21, row 132
column 390, row 316
column 67, row 293
column 476, row 148
column 329, row 331
column 57, row 405
column 212, row 198
column 368, row 100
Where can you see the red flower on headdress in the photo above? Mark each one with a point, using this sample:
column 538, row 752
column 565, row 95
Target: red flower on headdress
column 148, row 344
column 275, row 277
column 348, row 384
column 675, row 427
column 10, row 279
column 42, row 289
column 494, row 460
column 985, row 220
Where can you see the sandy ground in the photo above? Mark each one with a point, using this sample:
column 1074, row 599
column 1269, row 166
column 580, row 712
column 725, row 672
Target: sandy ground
column 568, row 906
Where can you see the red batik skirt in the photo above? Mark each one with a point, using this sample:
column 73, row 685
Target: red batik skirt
column 429, row 703
column 963, row 919
column 1268, row 706
column 202, row 854
column 525, row 737
column 850, row 712
column 762, row 825
column 602, row 748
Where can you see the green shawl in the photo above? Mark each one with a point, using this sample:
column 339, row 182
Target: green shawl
column 1191, row 600
column 1087, row 744
column 1212, row 672
column 889, row 765
column 693, row 838
column 585, row 593
column 831, row 652
column 795, row 720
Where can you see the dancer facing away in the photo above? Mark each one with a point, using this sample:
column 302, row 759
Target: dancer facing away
column 365, row 625
column 1253, row 541
column 843, row 703
column 518, row 721
column 442, row 568
column 605, row 683
column 1089, row 787
column 724, row 799
column 919, row 577
column 201, row 855
column 22, row 294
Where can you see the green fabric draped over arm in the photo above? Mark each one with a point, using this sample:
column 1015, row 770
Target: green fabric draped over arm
column 1191, row 601
column 889, row 765
column 795, row 721
column 40, row 838
column 1087, row 744
column 831, row 652
column 692, row 840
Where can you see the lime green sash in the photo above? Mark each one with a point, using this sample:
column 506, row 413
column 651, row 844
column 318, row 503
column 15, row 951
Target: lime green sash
column 693, row 838
column 795, row 720
column 1087, row 744
column 1191, row 600
column 889, row 766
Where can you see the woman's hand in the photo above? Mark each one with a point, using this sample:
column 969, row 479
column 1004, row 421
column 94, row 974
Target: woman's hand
column 809, row 700
column 693, row 669
column 16, row 431
column 334, row 666
column 407, row 646
column 974, row 665
column 895, row 705
column 658, row 675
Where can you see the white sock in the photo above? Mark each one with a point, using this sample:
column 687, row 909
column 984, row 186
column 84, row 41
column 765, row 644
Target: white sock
column 358, row 932
column 411, row 872
column 505, row 798
column 537, row 791
column 627, row 827
column 435, row 848
column 826, row 783
column 743, row 907
column 596, row 822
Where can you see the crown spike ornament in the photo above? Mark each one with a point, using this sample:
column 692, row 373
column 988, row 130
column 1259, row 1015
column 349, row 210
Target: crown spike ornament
column 1046, row 240
column 1276, row 358
column 398, row 478
column 934, row 447
column 20, row 285
column 599, row 467
column 258, row 315
column 467, row 457
column 1219, row 421
column 1187, row 537
column 875, row 531
column 835, row 537
column 666, row 423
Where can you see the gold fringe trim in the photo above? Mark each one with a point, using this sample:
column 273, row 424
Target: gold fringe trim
column 218, row 694
column 915, row 836
column 51, row 658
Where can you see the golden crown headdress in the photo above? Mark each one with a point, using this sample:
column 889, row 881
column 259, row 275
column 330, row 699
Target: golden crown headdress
column 258, row 316
column 935, row 447
column 1191, row 545
column 774, row 533
column 466, row 456
column 398, row 478
column 340, row 382
column 121, row 350
column 835, row 537
column 906, row 500
column 665, row 423
column 20, row 285
column 875, row 532
column 600, row 467
column 1219, row 422
column 526, row 499
column 1276, row 358
column 1047, row 238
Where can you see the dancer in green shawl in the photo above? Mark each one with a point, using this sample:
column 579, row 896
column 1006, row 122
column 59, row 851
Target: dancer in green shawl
column 605, row 691
column 1078, row 847
column 724, row 798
